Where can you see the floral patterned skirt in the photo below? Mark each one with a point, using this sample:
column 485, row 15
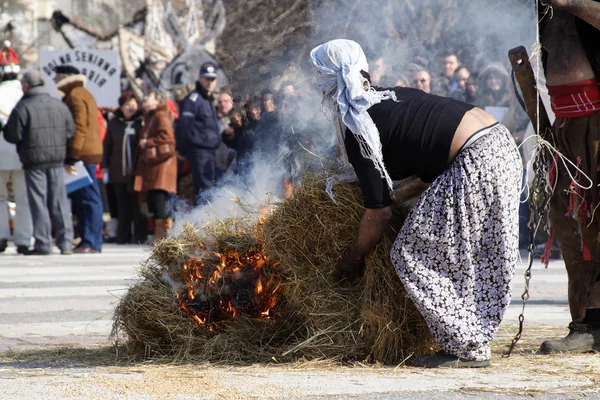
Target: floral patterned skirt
column 458, row 247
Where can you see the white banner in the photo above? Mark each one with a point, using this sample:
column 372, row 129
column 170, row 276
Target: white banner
column 100, row 67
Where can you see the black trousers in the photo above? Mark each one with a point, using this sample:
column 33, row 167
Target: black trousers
column 129, row 211
column 157, row 203
column 202, row 163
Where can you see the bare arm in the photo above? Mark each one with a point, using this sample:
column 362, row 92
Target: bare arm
column 371, row 229
column 587, row 10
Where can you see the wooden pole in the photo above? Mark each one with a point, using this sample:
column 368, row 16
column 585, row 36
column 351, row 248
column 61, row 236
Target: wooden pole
column 521, row 66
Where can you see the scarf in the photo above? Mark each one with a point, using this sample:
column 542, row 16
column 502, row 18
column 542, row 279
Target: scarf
column 337, row 65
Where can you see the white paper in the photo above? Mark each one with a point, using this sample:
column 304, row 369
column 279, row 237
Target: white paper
column 79, row 179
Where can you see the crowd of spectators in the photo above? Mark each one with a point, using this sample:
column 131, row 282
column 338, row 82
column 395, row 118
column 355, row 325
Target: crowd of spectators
column 149, row 150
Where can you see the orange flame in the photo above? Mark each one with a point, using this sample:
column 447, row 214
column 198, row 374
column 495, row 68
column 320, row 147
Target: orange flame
column 288, row 188
column 220, row 287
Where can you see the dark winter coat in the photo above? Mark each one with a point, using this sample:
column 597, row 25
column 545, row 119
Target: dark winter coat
column 40, row 126
column 120, row 146
column 197, row 126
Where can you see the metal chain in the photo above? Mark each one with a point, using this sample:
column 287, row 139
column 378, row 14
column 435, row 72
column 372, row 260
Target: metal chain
column 540, row 193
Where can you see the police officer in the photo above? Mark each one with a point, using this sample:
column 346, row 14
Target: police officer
column 197, row 131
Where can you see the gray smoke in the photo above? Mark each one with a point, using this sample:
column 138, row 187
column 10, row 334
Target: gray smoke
column 400, row 32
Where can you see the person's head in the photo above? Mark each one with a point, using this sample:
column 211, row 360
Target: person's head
column 153, row 100
column 402, row 82
column 378, row 71
column 449, row 64
column 225, row 103
column 128, row 104
column 422, row 80
column 268, row 101
column 64, row 71
column 494, row 82
column 471, row 84
column 288, row 89
column 236, row 118
column 253, row 111
column 208, row 77
column 461, row 75
column 31, row 79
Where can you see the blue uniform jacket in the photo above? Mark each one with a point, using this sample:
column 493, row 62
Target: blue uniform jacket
column 197, row 126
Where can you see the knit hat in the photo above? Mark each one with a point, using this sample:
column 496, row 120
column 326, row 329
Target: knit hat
column 9, row 62
column 66, row 70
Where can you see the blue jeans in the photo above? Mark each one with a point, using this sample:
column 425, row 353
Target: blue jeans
column 87, row 204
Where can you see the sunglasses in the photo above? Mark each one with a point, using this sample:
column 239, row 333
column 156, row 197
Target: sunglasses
column 422, row 80
column 209, row 79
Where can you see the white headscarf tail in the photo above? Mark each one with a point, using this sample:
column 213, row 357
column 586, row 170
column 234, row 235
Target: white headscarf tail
column 337, row 65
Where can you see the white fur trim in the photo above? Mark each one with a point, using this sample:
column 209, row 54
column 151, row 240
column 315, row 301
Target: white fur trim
column 69, row 80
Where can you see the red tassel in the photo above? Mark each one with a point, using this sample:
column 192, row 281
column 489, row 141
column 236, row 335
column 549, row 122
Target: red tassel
column 548, row 248
column 572, row 201
column 587, row 256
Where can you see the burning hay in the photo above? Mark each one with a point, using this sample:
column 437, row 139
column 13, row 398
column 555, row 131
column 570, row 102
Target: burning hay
column 264, row 293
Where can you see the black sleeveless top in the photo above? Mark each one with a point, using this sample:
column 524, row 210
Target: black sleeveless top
column 416, row 133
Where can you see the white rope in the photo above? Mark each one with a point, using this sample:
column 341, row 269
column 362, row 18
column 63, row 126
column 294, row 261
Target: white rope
column 337, row 178
column 539, row 146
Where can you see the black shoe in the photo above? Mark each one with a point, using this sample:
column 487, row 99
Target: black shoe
column 581, row 339
column 3, row 245
column 444, row 360
column 36, row 252
column 22, row 249
column 109, row 240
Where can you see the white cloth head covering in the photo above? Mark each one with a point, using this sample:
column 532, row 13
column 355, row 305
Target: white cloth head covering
column 337, row 65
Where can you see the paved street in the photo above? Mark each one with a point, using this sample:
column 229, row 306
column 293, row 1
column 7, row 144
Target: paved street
column 55, row 301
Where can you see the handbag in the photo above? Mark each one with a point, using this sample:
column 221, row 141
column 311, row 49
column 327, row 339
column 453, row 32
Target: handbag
column 158, row 154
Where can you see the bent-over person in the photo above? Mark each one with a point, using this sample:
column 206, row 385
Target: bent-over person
column 457, row 249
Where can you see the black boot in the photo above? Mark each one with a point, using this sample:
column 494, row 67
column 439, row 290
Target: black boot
column 3, row 245
column 581, row 339
column 442, row 359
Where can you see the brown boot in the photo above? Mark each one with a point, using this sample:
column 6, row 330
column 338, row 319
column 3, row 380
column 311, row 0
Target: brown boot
column 160, row 231
column 581, row 339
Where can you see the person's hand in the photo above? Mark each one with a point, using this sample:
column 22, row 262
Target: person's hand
column 347, row 270
column 143, row 143
column 104, row 170
column 70, row 169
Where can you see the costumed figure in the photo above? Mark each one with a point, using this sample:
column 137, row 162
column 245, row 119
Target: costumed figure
column 570, row 33
column 457, row 250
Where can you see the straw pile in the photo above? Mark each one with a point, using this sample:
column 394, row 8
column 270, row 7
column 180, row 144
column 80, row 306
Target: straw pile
column 372, row 321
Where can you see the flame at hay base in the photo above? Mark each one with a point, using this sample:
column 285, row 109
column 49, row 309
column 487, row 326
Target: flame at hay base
column 219, row 287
